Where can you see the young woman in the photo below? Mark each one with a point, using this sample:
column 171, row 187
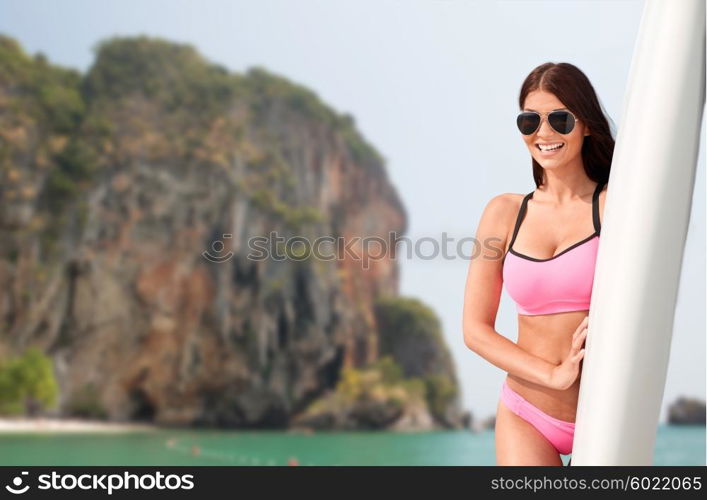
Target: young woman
column 542, row 245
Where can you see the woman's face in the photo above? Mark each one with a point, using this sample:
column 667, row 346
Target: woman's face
column 571, row 151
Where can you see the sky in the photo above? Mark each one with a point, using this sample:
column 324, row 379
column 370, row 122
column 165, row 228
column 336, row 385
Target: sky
column 433, row 85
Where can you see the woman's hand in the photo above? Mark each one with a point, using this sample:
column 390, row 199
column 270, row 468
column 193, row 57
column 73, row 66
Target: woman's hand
column 564, row 374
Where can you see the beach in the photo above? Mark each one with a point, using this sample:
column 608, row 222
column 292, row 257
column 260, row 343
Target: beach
column 53, row 425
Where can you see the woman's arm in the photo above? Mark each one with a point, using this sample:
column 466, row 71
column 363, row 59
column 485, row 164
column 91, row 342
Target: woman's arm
column 482, row 294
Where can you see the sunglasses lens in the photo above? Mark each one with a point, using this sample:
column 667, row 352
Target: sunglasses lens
column 562, row 121
column 528, row 122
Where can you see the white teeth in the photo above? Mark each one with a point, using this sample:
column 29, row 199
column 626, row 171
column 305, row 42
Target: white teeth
column 543, row 147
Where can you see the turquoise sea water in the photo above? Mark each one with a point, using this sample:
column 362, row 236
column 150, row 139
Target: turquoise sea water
column 674, row 446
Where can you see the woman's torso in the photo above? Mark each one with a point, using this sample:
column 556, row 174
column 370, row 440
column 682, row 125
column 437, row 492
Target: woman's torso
column 548, row 337
column 561, row 241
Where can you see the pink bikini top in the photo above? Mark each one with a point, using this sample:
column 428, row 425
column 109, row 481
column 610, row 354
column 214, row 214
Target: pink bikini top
column 558, row 284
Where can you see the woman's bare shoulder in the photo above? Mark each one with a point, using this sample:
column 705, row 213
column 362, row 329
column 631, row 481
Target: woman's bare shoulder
column 504, row 204
column 500, row 211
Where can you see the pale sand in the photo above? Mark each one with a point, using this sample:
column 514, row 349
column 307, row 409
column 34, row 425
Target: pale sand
column 12, row 425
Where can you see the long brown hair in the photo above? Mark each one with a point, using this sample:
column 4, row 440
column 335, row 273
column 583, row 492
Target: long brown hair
column 571, row 86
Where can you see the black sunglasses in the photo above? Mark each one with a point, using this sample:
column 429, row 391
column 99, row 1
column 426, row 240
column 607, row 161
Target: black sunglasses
column 562, row 121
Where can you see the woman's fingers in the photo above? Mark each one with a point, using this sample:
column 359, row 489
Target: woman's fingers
column 578, row 340
column 584, row 323
column 583, row 335
column 581, row 326
column 576, row 351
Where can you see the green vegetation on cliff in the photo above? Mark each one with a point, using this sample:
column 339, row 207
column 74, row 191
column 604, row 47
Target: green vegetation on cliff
column 410, row 333
column 27, row 384
column 39, row 91
column 266, row 88
column 173, row 76
column 371, row 397
column 377, row 394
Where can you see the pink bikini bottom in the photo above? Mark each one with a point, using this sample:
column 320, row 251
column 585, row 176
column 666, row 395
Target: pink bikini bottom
column 560, row 433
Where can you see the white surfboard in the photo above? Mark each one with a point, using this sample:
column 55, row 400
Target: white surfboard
column 644, row 228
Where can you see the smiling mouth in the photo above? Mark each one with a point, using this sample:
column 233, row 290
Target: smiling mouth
column 557, row 146
column 550, row 150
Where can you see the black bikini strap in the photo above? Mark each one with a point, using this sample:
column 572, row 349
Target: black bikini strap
column 595, row 207
column 519, row 218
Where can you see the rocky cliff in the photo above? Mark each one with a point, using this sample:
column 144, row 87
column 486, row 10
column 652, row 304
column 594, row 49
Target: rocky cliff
column 129, row 200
